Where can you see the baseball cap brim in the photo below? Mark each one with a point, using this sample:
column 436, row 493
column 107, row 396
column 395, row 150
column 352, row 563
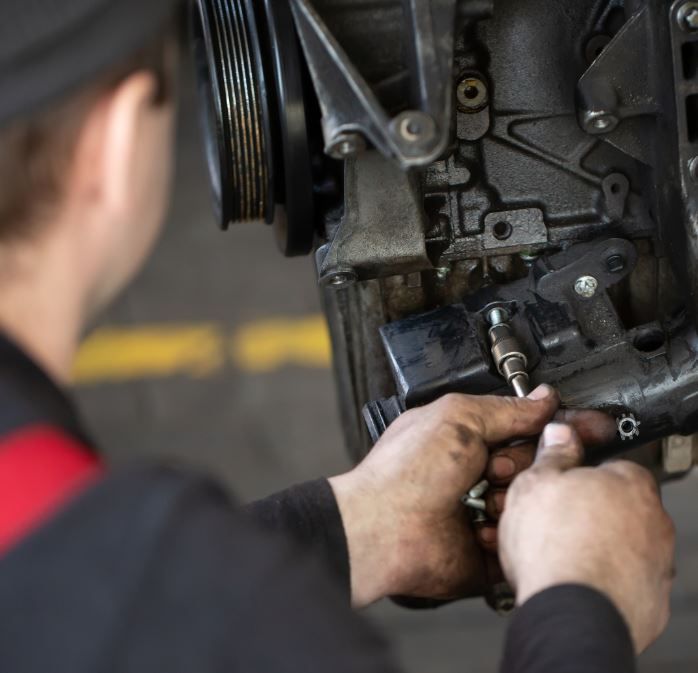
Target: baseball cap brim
column 43, row 70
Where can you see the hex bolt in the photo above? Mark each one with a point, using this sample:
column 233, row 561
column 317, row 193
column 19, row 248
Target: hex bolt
column 586, row 286
column 615, row 263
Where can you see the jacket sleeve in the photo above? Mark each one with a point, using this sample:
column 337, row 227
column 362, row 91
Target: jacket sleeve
column 309, row 514
column 568, row 629
column 157, row 571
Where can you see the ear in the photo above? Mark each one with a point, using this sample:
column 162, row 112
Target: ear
column 106, row 158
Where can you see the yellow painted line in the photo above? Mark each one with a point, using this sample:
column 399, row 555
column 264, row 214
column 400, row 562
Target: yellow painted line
column 118, row 354
column 150, row 351
column 269, row 344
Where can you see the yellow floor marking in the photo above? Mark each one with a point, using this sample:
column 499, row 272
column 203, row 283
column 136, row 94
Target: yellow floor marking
column 117, row 354
column 148, row 351
column 267, row 345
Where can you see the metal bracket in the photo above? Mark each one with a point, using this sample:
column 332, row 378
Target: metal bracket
column 618, row 86
column 382, row 231
column 416, row 137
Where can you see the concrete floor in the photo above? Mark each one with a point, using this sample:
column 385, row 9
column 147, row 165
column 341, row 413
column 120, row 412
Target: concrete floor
column 259, row 433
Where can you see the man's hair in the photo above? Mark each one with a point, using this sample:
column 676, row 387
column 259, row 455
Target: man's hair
column 36, row 152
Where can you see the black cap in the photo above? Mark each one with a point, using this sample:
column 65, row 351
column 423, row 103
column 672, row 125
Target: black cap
column 48, row 47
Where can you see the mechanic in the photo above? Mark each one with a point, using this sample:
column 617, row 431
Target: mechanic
column 155, row 569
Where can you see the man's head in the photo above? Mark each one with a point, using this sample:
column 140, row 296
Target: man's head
column 85, row 176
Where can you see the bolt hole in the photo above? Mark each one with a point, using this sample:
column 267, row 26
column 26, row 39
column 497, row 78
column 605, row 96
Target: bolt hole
column 627, row 427
column 616, row 188
column 649, row 340
column 502, row 230
column 414, row 127
column 471, row 92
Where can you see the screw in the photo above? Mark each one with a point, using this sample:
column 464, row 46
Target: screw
column 479, row 489
column 474, row 503
column 442, row 273
column 586, row 286
column 615, row 263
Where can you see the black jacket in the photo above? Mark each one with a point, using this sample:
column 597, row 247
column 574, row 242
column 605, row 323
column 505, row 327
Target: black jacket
column 156, row 570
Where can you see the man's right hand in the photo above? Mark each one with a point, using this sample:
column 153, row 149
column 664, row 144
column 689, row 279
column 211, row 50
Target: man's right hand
column 601, row 527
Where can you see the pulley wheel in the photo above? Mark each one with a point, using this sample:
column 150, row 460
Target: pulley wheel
column 250, row 77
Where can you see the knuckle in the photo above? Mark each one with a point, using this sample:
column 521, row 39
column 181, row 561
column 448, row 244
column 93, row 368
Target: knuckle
column 450, row 404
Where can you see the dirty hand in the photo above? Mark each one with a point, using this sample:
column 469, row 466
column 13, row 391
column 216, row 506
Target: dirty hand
column 602, row 527
column 407, row 531
column 594, row 428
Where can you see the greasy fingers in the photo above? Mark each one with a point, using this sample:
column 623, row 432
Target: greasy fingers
column 495, row 501
column 487, row 537
column 550, row 533
column 509, row 461
column 594, row 428
column 560, row 449
column 499, row 419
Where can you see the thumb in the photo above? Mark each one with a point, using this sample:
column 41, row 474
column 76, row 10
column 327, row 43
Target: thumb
column 560, row 448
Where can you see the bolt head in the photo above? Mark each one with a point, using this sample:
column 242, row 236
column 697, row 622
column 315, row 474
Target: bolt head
column 687, row 16
column 586, row 286
column 340, row 279
column 415, row 128
column 598, row 122
column 497, row 316
column 346, row 149
column 346, row 145
column 690, row 17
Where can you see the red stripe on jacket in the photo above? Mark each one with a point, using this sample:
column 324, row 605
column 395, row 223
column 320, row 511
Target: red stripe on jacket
column 41, row 469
